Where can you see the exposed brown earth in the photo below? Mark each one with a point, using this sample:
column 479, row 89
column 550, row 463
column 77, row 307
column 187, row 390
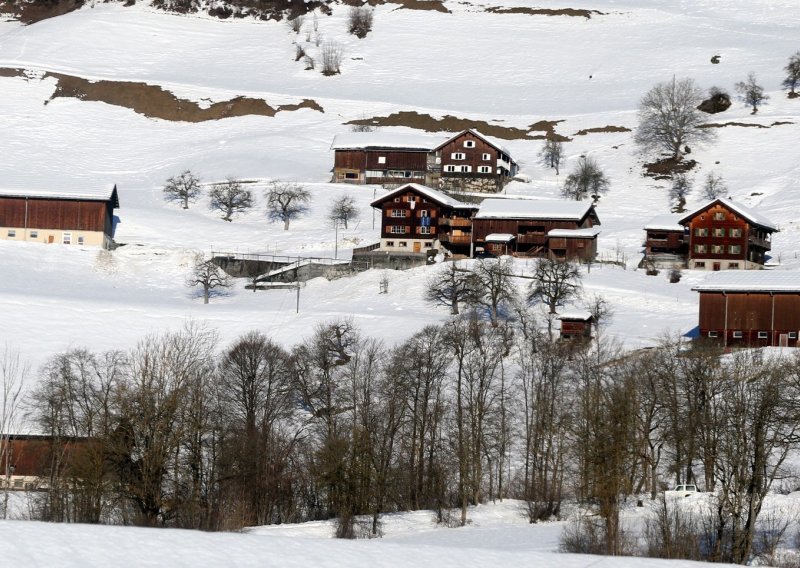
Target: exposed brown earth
column 545, row 11
column 602, row 129
column 664, row 169
column 435, row 5
column 724, row 124
column 38, row 10
column 154, row 102
column 449, row 123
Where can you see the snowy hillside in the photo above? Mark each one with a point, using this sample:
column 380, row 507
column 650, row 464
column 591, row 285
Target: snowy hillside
column 508, row 69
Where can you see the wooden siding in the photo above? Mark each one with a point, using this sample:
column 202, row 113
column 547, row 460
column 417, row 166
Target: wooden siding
column 370, row 160
column 669, row 242
column 531, row 237
column 473, row 157
column 748, row 314
column 64, row 214
column 752, row 241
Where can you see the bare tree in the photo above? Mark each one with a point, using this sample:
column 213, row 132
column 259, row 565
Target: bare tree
column 451, row 286
column 679, row 191
column 714, row 186
column 184, row 188
column 359, row 21
column 555, row 282
column 551, row 153
column 343, row 210
column 208, row 276
column 13, row 373
column 229, row 197
column 669, row 119
column 792, row 73
column 495, row 287
column 586, row 179
column 332, row 54
column 286, row 201
column 752, row 93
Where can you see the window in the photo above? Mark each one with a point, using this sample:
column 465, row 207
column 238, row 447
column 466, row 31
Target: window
column 398, row 213
column 381, row 159
column 712, row 334
column 735, row 232
column 389, row 243
column 486, row 157
column 375, row 173
column 80, row 240
column 699, row 264
column 458, row 155
column 403, row 244
column 737, row 334
column 469, row 143
column 449, row 168
column 792, row 335
column 34, row 234
column 701, row 232
column 717, row 249
column 719, row 216
column 66, row 238
column 718, row 232
column 410, row 198
column 424, row 230
column 424, row 213
column 397, row 230
column 427, row 244
column 735, row 249
column 397, row 200
column 12, row 233
column 700, row 248
column 763, row 335
column 733, row 265
column 466, row 169
column 484, row 169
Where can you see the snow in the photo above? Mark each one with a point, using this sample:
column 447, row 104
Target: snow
column 499, row 238
column 753, row 216
column 575, row 315
column 89, row 194
column 387, row 139
column 429, row 193
column 751, row 281
column 498, row 208
column 664, row 222
column 587, row 233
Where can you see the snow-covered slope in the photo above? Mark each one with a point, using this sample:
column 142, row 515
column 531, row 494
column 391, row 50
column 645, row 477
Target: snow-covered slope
column 510, row 69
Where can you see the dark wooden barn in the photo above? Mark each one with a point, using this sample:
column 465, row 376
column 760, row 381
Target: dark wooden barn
column 65, row 217
column 666, row 241
column 576, row 326
column 470, row 161
column 28, row 461
column 751, row 309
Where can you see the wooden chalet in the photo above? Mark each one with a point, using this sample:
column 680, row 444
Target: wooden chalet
column 576, row 326
column 27, row 461
column 416, row 218
column 724, row 235
column 470, row 161
column 383, row 158
column 666, row 242
column 557, row 229
column 751, row 309
column 65, row 217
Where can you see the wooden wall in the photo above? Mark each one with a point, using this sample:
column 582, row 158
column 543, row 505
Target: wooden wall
column 63, row 214
column 749, row 313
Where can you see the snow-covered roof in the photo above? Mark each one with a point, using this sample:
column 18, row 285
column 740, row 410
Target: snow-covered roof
column 751, row 281
column 745, row 212
column 429, row 193
column 665, row 222
column 575, row 315
column 90, row 194
column 499, row 238
column 498, row 208
column 488, row 139
column 380, row 139
column 587, row 233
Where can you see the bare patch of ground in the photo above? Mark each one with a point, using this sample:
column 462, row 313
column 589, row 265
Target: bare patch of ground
column 545, row 11
column 724, row 124
column 154, row 102
column 666, row 168
column 793, row 95
column 37, row 10
column 449, row 123
column 435, row 5
column 601, row 129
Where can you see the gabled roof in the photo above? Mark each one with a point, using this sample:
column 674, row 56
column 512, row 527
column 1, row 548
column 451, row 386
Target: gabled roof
column 385, row 140
column 488, row 139
column 745, row 212
column 562, row 210
column 94, row 194
column 578, row 315
column 751, row 281
column 428, row 192
column 666, row 222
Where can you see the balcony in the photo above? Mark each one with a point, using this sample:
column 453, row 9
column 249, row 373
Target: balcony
column 454, row 222
column 455, row 239
column 757, row 242
column 532, row 239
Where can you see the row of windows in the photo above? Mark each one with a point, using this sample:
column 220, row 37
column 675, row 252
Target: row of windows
column 409, row 199
column 462, row 156
column 402, row 230
column 406, row 174
column 405, row 244
column 731, row 265
column 718, row 249
column 468, row 169
column 717, row 232
column 423, row 213
column 761, row 334
column 66, row 238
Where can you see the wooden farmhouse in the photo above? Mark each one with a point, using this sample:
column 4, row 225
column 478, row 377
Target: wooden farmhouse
column 576, row 326
column 65, row 217
column 468, row 161
column 666, row 242
column 727, row 235
column 26, row 461
column 557, row 229
column 416, row 219
column 383, row 158
column 751, row 309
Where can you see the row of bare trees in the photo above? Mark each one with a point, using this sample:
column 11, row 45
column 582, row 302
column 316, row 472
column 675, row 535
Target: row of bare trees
column 180, row 432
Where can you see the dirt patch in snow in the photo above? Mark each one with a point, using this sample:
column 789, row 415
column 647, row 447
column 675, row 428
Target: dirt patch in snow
column 435, row 5
column 724, row 124
column 602, row 129
column 449, row 123
column 664, row 169
column 11, row 72
column 545, row 11
column 154, row 102
column 38, row 10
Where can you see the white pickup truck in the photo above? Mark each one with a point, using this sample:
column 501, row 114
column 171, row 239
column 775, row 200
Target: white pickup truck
column 682, row 491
